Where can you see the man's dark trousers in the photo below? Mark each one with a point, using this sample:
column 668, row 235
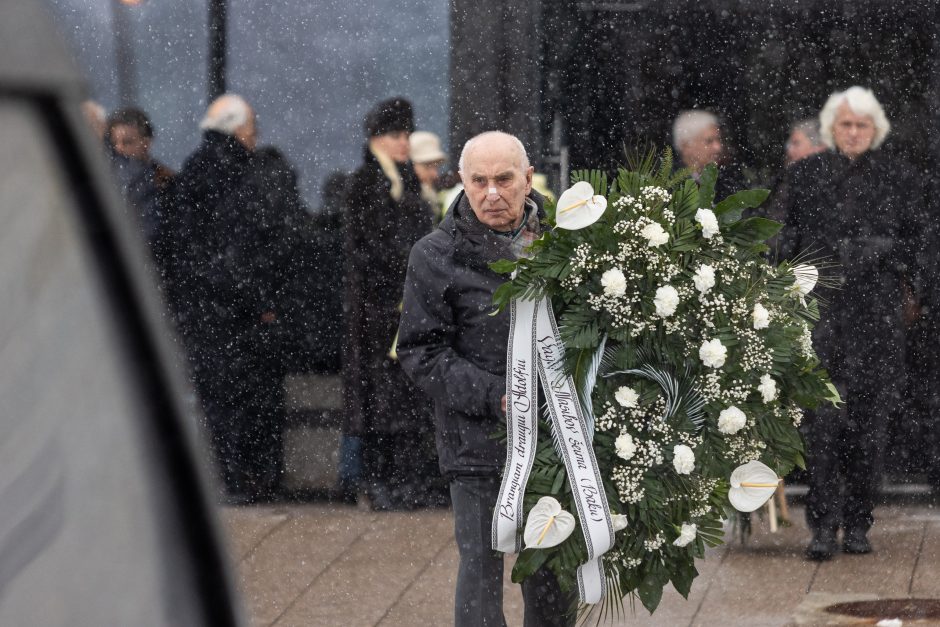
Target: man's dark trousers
column 479, row 599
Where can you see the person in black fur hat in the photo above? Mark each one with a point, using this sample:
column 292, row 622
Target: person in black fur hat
column 385, row 216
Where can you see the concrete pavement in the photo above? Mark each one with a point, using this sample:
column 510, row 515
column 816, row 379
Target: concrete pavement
column 328, row 565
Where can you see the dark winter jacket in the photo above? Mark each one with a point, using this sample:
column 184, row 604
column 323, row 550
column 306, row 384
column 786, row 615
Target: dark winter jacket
column 866, row 216
column 379, row 234
column 231, row 243
column 452, row 345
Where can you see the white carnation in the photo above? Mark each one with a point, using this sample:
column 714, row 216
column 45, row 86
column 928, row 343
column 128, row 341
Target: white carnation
column 618, row 521
column 655, row 235
column 624, row 446
column 731, row 420
column 767, row 388
column 614, row 283
column 683, row 459
column 760, row 316
column 626, row 396
column 686, row 534
column 704, row 278
column 666, row 301
column 713, row 353
column 706, row 217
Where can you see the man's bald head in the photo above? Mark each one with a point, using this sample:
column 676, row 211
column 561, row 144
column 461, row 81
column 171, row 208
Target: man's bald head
column 496, row 177
column 494, row 140
column 232, row 115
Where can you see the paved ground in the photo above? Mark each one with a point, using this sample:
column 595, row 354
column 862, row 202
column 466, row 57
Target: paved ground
column 311, row 565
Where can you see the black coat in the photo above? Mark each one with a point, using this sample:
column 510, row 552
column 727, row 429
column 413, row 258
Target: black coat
column 866, row 216
column 230, row 248
column 379, row 234
column 452, row 346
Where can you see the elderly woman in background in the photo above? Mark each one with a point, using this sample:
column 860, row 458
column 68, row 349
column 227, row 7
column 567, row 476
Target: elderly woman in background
column 804, row 140
column 861, row 209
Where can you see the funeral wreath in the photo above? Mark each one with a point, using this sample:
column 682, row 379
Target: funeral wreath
column 675, row 365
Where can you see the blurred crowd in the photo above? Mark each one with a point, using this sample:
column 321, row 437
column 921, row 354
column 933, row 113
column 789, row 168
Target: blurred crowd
column 258, row 286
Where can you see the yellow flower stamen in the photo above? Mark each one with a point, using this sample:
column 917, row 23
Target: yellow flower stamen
column 544, row 531
column 577, row 204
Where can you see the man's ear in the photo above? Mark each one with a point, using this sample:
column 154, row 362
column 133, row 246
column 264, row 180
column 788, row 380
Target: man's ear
column 528, row 178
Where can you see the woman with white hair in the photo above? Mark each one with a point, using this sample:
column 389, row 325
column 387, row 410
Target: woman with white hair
column 860, row 209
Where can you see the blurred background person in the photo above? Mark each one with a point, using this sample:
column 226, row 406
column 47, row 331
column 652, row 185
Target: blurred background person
column 229, row 259
column 428, row 159
column 859, row 208
column 385, row 216
column 804, row 140
column 143, row 180
column 95, row 116
column 697, row 138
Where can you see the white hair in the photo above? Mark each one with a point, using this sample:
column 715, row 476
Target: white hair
column 226, row 114
column 689, row 124
column 523, row 157
column 862, row 102
column 810, row 128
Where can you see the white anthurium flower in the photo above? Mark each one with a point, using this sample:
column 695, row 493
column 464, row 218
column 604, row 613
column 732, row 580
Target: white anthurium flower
column 548, row 524
column 618, row 521
column 752, row 484
column 683, row 459
column 731, row 420
column 614, row 282
column 806, row 276
column 709, row 222
column 704, row 278
column 625, row 446
column 666, row 301
column 655, row 234
column 760, row 316
column 713, row 353
column 626, row 396
column 767, row 388
column 579, row 207
column 686, row 534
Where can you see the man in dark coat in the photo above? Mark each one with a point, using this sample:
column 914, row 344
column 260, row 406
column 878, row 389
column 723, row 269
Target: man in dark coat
column 228, row 260
column 454, row 348
column 856, row 207
column 385, row 216
column 697, row 138
column 143, row 180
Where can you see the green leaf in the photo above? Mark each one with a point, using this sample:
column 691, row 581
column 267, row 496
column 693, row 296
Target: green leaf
column 752, row 232
column 706, row 185
column 650, row 591
column 729, row 210
column 682, row 579
column 503, row 266
column 529, row 561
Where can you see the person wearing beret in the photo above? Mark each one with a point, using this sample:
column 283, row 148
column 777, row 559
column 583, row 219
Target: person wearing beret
column 385, row 216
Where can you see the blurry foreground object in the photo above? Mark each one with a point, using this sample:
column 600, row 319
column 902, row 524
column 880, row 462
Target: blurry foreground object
column 861, row 209
column 105, row 519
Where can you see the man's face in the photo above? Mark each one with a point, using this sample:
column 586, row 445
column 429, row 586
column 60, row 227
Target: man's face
column 247, row 133
column 851, row 132
column 128, row 141
column 428, row 173
column 495, row 183
column 702, row 149
column 393, row 144
column 799, row 147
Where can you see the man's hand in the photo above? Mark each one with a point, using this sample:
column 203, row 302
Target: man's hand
column 268, row 317
column 503, row 403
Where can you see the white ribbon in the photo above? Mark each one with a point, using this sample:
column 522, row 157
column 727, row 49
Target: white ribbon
column 535, row 344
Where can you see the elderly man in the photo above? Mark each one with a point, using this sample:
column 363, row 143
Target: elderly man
column 860, row 209
column 696, row 136
column 228, row 260
column 454, row 348
column 804, row 141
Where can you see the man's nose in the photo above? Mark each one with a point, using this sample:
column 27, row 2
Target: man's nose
column 492, row 194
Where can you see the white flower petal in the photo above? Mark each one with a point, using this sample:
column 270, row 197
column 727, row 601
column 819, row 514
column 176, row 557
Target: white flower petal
column 683, row 459
column 578, row 207
column 618, row 521
column 752, row 484
column 686, row 534
column 547, row 525
column 806, row 276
